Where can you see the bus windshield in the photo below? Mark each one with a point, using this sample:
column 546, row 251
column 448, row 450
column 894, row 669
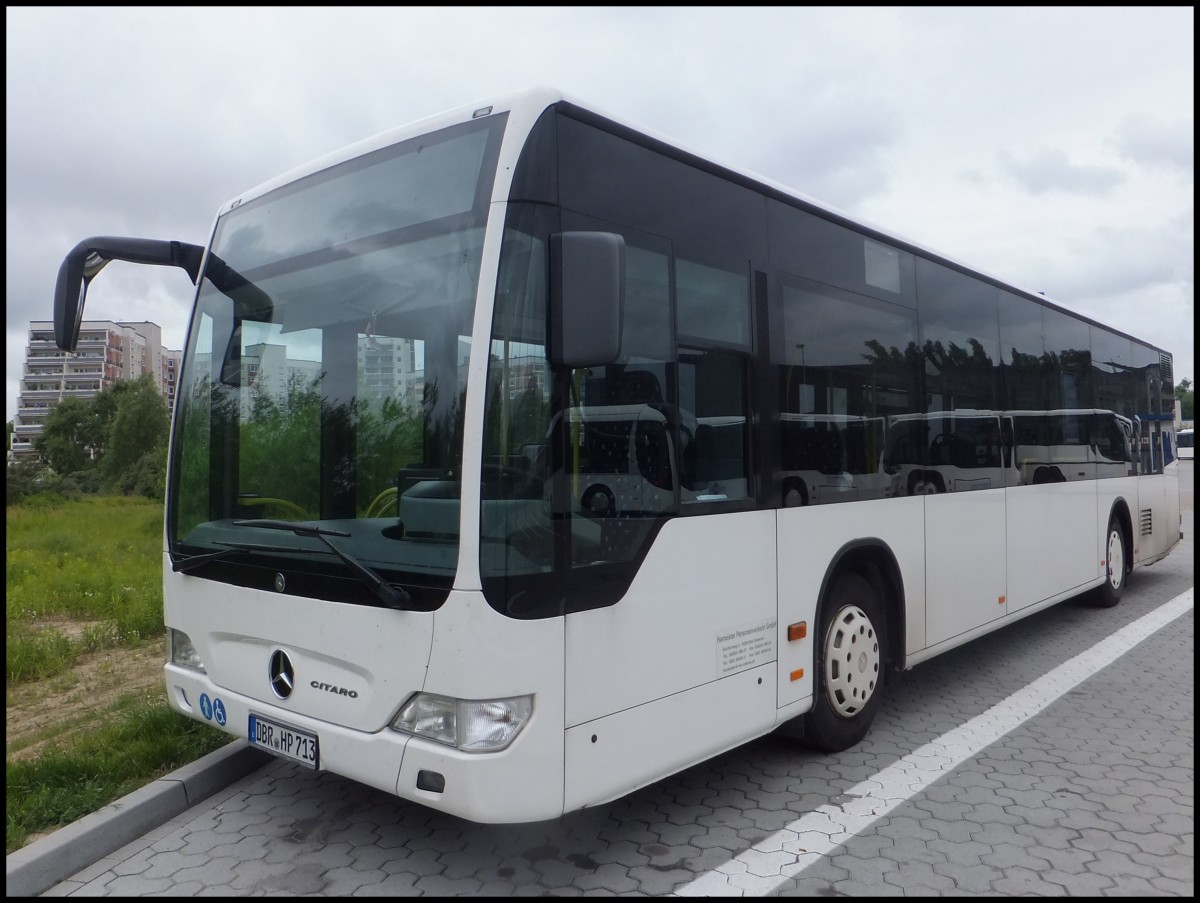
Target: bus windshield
column 325, row 372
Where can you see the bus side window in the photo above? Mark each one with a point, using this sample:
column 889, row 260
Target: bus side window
column 653, row 450
column 1109, row 439
column 713, row 336
column 713, row 391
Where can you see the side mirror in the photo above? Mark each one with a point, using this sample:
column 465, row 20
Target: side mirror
column 90, row 256
column 587, row 298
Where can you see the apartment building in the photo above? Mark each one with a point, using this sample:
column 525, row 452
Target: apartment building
column 107, row 351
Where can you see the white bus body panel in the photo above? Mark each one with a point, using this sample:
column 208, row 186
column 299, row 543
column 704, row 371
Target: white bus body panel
column 809, row 538
column 373, row 758
column 1156, row 520
column 617, row 754
column 479, row 653
column 1059, row 516
column 662, row 677
column 964, row 562
column 379, row 654
column 383, row 656
column 703, row 577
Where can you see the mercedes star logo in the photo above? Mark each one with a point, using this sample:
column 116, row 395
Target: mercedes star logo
column 282, row 674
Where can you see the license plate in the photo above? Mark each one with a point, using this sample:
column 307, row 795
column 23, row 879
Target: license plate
column 299, row 746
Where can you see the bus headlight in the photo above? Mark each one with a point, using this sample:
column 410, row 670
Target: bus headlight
column 182, row 652
column 472, row 725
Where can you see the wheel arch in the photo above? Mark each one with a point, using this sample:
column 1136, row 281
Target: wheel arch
column 1120, row 510
column 874, row 560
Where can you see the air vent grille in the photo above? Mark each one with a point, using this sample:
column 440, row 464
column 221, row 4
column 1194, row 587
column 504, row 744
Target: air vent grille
column 1147, row 521
column 1167, row 370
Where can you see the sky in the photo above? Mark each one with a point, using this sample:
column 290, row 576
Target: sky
column 1052, row 148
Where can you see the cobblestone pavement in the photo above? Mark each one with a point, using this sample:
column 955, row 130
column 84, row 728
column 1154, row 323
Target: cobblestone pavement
column 1093, row 795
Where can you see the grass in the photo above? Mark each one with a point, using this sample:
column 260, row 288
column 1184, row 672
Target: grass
column 84, row 580
column 95, row 560
column 140, row 741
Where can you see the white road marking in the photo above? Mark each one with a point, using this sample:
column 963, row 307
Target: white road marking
column 768, row 864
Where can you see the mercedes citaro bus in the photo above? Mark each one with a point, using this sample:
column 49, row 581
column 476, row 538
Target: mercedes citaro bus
column 523, row 457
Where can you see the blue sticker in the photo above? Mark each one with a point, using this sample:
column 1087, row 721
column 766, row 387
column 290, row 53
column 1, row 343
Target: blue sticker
column 219, row 712
column 206, row 708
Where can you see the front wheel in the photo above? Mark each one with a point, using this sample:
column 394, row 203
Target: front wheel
column 850, row 665
column 1115, row 555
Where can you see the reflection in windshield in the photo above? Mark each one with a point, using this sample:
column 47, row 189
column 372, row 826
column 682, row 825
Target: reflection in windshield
column 329, row 386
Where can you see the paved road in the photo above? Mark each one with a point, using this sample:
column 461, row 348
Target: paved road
column 1009, row 786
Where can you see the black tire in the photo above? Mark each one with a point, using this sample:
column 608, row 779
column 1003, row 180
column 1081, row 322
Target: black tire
column 598, row 501
column 926, row 482
column 1116, row 567
column 913, row 479
column 795, row 495
column 850, row 663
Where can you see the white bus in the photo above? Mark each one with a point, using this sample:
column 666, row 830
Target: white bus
column 1186, row 444
column 829, row 458
column 966, row 450
column 378, row 557
column 948, row 451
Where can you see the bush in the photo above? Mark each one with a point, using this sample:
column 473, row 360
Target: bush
column 21, row 482
column 89, row 481
column 147, row 477
column 34, row 484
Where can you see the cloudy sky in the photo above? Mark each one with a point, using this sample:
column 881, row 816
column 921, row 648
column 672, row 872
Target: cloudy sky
column 1052, row 148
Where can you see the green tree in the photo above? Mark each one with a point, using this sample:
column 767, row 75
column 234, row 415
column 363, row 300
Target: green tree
column 64, row 442
column 103, row 409
column 139, row 427
column 279, row 446
column 1187, row 399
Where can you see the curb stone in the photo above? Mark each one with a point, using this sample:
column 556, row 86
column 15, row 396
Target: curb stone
column 45, row 862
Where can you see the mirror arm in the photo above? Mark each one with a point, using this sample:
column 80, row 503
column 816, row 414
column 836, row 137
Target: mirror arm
column 91, row 255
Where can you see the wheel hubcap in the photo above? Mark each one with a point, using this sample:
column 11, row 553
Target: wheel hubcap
column 852, row 661
column 1116, row 559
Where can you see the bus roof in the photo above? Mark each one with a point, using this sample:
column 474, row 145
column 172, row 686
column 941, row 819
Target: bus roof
column 527, row 105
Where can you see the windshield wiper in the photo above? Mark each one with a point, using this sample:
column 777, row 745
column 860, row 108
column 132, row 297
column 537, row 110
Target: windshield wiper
column 184, row 565
column 189, row 564
column 391, row 596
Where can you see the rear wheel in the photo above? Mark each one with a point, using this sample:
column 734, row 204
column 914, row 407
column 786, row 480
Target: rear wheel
column 1116, row 555
column 850, row 665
